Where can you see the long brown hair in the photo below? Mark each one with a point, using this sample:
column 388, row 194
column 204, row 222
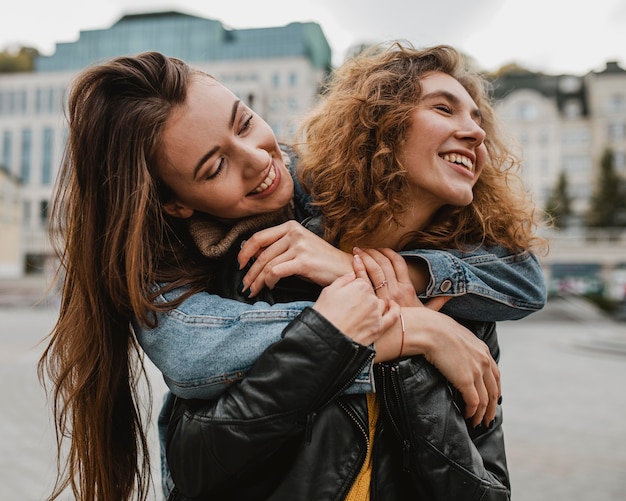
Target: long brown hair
column 113, row 242
column 351, row 155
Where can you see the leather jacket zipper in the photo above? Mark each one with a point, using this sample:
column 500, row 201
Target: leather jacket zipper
column 390, row 385
column 366, row 436
column 310, row 418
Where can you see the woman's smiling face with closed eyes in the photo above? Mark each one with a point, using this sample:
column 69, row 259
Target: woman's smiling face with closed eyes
column 220, row 158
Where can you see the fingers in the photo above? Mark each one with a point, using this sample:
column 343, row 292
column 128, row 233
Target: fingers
column 359, row 267
column 374, row 273
column 386, row 267
column 260, row 240
column 495, row 392
column 483, row 400
column 438, row 302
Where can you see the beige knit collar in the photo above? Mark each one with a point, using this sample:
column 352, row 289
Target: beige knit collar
column 214, row 238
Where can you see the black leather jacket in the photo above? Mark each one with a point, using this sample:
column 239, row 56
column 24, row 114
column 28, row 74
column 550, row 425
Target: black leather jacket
column 286, row 432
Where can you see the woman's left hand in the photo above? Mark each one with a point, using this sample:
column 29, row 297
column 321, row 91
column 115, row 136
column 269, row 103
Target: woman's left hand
column 385, row 266
column 290, row 249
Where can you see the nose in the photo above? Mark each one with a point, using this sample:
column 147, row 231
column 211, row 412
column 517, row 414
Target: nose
column 254, row 159
column 470, row 130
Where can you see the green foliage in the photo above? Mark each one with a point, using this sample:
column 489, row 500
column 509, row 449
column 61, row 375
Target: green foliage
column 608, row 203
column 22, row 59
column 558, row 207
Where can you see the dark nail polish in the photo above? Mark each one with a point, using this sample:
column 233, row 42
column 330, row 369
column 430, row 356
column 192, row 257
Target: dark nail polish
column 246, row 293
column 240, row 288
column 491, row 424
column 500, row 400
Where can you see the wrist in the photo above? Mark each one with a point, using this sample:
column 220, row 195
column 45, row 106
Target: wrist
column 418, row 339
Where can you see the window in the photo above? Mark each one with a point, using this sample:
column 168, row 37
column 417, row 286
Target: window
column 6, row 149
column 43, row 213
column 526, row 111
column 572, row 109
column 276, row 80
column 26, row 154
column 617, row 131
column 293, row 79
column 46, row 158
column 616, row 103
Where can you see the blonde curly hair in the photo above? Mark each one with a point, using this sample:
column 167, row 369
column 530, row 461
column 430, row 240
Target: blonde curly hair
column 350, row 148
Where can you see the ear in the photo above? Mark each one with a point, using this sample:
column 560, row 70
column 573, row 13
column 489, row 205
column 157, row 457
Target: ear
column 175, row 208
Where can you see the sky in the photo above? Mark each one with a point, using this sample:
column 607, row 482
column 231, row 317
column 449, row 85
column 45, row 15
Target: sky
column 551, row 36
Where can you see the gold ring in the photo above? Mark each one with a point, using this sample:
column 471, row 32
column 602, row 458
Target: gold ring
column 380, row 285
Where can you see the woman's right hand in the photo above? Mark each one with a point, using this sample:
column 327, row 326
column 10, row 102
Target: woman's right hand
column 350, row 304
column 462, row 358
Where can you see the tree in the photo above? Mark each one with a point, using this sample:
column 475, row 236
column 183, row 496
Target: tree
column 16, row 60
column 608, row 203
column 559, row 204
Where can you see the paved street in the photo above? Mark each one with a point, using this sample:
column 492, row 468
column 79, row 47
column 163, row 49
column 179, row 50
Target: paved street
column 564, row 373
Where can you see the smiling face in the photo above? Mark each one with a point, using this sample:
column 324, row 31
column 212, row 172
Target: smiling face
column 443, row 151
column 220, row 158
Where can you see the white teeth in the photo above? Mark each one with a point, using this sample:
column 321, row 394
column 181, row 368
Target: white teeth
column 459, row 159
column 267, row 182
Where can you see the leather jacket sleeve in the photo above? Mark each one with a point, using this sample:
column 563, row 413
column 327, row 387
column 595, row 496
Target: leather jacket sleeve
column 445, row 459
column 211, row 442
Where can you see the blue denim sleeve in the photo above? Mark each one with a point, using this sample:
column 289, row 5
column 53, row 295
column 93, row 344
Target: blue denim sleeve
column 487, row 283
column 209, row 342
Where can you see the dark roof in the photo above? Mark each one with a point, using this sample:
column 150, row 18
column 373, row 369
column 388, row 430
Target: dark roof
column 559, row 88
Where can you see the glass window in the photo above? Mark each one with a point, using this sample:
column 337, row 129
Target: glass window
column 527, row 111
column 616, row 103
column 6, row 149
column 26, row 155
column 46, row 159
column 43, row 212
column 617, row 131
column 38, row 100
column 293, row 79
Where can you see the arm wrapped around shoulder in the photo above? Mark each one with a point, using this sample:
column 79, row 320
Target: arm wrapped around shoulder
column 211, row 442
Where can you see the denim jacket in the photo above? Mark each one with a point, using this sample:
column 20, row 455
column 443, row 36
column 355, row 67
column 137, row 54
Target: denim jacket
column 209, row 342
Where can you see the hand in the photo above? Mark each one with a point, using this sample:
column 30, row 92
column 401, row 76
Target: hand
column 290, row 249
column 350, row 304
column 462, row 358
column 389, row 275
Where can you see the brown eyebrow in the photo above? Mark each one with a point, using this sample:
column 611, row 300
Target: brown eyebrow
column 453, row 99
column 212, row 151
column 233, row 113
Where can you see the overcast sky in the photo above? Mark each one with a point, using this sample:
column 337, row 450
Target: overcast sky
column 554, row 36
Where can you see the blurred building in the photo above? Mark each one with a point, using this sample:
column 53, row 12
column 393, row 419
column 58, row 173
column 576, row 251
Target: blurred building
column 565, row 123
column 10, row 241
column 277, row 71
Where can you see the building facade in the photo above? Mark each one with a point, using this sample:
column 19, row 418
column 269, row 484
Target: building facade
column 276, row 71
column 10, row 225
column 564, row 124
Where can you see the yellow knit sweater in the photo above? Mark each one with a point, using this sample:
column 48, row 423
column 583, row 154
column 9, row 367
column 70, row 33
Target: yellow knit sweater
column 360, row 490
